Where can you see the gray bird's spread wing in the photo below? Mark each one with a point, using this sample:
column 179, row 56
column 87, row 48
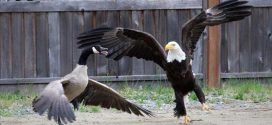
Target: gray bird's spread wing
column 53, row 99
column 98, row 94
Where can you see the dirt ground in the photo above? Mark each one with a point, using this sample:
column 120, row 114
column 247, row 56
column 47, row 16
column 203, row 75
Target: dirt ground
column 237, row 113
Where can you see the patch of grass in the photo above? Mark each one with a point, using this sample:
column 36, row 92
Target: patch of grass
column 158, row 93
column 92, row 109
column 14, row 104
column 239, row 89
column 248, row 90
column 5, row 113
column 193, row 97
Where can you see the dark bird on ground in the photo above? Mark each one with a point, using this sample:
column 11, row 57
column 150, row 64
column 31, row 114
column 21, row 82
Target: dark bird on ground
column 75, row 88
column 177, row 61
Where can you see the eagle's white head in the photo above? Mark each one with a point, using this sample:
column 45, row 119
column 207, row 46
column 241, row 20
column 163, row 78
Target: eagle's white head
column 174, row 52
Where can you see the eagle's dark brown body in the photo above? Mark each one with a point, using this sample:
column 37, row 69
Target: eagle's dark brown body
column 183, row 81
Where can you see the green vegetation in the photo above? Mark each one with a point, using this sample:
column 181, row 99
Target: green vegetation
column 14, row 104
column 234, row 89
column 17, row 104
column 158, row 93
column 248, row 90
column 91, row 109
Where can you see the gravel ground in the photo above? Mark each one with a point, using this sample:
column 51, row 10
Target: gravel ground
column 230, row 113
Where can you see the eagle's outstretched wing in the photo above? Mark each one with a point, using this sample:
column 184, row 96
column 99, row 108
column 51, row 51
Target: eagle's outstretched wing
column 224, row 12
column 125, row 42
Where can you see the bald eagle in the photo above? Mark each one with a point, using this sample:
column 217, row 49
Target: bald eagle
column 176, row 62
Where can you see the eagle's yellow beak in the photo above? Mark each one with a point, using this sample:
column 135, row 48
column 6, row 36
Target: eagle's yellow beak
column 168, row 47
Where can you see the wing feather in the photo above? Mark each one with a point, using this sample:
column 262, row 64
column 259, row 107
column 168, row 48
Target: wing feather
column 136, row 44
column 53, row 99
column 98, row 94
column 224, row 12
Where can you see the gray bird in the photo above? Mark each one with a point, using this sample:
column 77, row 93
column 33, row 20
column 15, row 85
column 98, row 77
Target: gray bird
column 75, row 88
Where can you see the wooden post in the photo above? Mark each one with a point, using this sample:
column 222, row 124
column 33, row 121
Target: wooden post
column 212, row 51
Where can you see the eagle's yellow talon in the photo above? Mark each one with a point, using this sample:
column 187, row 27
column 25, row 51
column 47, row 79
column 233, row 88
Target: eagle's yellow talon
column 186, row 120
column 205, row 107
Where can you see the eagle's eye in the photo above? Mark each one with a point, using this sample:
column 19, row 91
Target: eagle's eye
column 173, row 44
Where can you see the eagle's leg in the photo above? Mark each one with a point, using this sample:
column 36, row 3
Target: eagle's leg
column 180, row 109
column 201, row 97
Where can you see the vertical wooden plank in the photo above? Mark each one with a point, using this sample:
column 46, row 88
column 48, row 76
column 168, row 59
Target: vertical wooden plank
column 148, row 21
column 89, row 21
column 137, row 23
column 231, row 36
column 245, row 44
column 77, row 27
column 30, row 45
column 173, row 29
column 224, row 50
column 125, row 64
column 268, row 42
column 17, row 45
column 112, row 21
column 54, row 44
column 6, row 52
column 183, row 17
column 66, row 57
column 100, row 59
column 160, row 22
column 42, row 45
column 212, row 76
column 259, row 35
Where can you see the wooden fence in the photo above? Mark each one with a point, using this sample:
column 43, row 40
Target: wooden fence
column 38, row 38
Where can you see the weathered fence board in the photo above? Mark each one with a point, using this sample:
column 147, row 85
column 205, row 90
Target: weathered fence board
column 259, row 3
column 46, row 36
column 259, row 35
column 66, row 56
column 6, row 49
column 161, row 32
column 42, row 44
column 54, row 44
column 30, row 44
column 17, row 45
column 133, row 78
column 97, row 5
column 248, row 43
column 77, row 27
column 268, row 44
